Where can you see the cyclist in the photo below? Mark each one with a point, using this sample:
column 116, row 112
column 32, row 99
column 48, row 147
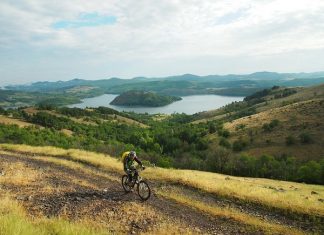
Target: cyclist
column 128, row 159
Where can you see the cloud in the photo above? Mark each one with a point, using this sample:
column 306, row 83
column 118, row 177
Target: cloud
column 145, row 33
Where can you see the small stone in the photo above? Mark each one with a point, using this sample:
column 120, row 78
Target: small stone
column 21, row 198
column 77, row 199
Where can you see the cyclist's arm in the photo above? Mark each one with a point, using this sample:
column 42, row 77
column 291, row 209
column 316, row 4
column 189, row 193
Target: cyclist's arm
column 138, row 161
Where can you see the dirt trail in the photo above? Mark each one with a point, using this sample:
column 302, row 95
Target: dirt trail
column 74, row 194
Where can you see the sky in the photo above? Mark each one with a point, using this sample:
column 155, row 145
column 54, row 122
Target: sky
column 45, row 40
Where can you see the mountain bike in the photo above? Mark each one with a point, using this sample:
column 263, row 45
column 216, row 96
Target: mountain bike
column 143, row 189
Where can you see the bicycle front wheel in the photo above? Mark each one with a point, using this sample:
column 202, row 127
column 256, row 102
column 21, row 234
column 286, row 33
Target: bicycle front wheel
column 125, row 184
column 143, row 190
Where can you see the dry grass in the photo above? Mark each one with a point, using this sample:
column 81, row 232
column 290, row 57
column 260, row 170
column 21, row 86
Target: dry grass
column 81, row 89
column 119, row 118
column 295, row 197
column 96, row 159
column 79, row 167
column 294, row 119
column 307, row 111
column 13, row 121
column 229, row 213
column 13, row 220
column 67, row 132
column 31, row 110
column 18, row 174
column 138, row 211
column 128, row 121
column 303, row 94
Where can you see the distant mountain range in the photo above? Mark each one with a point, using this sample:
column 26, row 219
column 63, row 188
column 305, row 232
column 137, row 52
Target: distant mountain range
column 69, row 92
column 183, row 84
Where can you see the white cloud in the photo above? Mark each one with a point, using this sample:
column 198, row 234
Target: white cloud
column 147, row 31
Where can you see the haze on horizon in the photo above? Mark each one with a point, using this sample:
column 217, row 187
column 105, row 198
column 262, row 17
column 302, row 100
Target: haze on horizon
column 47, row 40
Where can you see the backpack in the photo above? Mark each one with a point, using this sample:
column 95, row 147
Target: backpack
column 124, row 155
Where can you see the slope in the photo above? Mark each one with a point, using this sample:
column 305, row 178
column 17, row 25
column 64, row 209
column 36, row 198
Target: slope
column 82, row 189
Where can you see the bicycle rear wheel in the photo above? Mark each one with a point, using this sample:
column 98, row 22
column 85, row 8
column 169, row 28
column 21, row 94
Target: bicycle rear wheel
column 125, row 185
column 143, row 190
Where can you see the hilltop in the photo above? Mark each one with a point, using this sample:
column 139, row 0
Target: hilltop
column 141, row 98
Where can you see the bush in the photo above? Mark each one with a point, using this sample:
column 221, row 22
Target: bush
column 305, row 138
column 270, row 126
column 224, row 133
column 225, row 143
column 240, row 127
column 290, row 140
column 211, row 128
column 310, row 172
column 274, row 123
column 239, row 145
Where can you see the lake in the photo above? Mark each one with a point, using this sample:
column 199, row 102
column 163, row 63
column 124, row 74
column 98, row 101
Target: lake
column 189, row 104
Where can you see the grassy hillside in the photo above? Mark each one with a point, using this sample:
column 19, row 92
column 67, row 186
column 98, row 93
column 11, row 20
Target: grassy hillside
column 276, row 121
column 297, row 130
column 275, row 133
column 49, row 190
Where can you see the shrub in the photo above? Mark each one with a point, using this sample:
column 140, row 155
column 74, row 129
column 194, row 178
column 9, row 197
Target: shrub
column 274, row 123
column 290, row 140
column 225, row 143
column 224, row 133
column 240, row 127
column 211, row 128
column 305, row 138
column 266, row 127
column 310, row 172
column 270, row 126
column 239, row 145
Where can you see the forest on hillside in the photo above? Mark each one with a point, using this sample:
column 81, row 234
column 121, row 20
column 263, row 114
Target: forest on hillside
column 173, row 142
column 141, row 98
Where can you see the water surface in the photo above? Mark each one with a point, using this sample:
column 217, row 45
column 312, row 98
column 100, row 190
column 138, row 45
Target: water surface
column 189, row 104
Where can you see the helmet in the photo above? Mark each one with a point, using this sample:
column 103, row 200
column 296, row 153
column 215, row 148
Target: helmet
column 132, row 154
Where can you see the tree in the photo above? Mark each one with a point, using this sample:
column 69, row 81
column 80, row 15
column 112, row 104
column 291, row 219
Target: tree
column 217, row 159
column 310, row 172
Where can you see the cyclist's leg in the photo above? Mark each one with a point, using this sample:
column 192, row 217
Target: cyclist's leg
column 135, row 174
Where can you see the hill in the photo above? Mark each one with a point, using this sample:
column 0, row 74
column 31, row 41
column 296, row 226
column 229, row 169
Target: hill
column 70, row 92
column 48, row 190
column 275, row 133
column 141, row 98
